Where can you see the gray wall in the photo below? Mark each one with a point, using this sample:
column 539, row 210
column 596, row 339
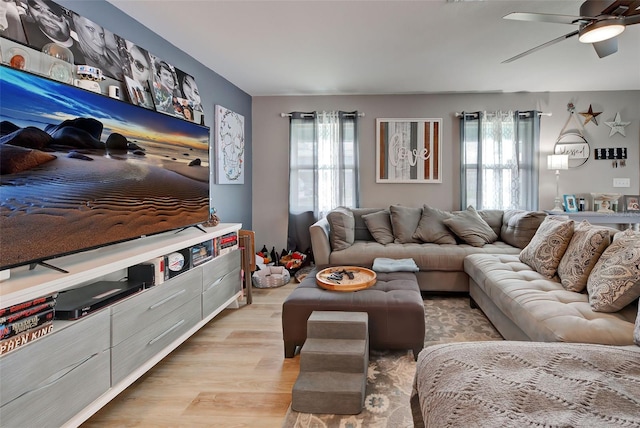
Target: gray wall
column 272, row 135
column 232, row 202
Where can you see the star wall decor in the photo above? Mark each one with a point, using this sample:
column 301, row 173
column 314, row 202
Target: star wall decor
column 617, row 126
column 590, row 115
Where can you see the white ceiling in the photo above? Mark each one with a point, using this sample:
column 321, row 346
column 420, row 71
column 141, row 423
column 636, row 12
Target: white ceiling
column 350, row 47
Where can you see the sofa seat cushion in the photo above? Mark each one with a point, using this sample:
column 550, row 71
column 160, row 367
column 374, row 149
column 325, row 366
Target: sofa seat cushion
column 542, row 308
column 428, row 256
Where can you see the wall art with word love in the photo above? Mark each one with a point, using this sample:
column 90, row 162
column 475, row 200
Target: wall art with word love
column 408, row 150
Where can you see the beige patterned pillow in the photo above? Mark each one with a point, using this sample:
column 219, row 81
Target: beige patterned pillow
column 431, row 229
column 544, row 252
column 615, row 280
column 587, row 244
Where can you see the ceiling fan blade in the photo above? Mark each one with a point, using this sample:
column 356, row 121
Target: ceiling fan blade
column 548, row 17
column 632, row 19
column 544, row 45
column 606, row 47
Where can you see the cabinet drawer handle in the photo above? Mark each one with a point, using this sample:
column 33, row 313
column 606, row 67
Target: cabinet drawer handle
column 169, row 330
column 165, row 300
column 219, row 280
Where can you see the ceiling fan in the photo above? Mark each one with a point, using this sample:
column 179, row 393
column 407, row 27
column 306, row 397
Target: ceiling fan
column 600, row 21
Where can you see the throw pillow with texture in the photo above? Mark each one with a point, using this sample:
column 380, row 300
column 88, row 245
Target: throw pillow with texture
column 404, row 221
column 379, row 225
column 584, row 250
column 636, row 330
column 432, row 229
column 548, row 245
column 519, row 226
column 471, row 228
column 341, row 228
column 614, row 282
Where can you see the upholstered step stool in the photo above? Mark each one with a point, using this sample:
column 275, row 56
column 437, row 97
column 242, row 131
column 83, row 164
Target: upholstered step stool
column 333, row 364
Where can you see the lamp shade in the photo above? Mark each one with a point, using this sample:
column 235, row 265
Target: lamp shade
column 558, row 162
column 600, row 31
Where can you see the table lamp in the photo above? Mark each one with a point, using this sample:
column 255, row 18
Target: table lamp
column 558, row 162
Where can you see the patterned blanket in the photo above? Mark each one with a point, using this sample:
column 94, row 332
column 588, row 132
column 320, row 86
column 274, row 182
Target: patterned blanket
column 520, row 384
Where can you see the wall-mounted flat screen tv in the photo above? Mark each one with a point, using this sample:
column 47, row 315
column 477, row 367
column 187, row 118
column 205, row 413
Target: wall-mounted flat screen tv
column 79, row 170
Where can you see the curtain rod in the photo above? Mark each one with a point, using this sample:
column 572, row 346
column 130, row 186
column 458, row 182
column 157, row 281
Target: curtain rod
column 347, row 114
column 458, row 114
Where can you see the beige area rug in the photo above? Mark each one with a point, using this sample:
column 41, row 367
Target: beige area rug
column 390, row 377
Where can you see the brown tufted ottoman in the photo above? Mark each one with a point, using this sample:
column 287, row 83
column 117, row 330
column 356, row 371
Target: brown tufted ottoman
column 394, row 305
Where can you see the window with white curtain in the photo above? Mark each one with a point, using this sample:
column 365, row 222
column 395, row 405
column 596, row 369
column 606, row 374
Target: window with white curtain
column 323, row 163
column 499, row 159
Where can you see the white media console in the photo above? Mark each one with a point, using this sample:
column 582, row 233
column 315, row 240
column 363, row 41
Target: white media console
column 65, row 377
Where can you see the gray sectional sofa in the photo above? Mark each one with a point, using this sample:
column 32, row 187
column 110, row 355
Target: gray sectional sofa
column 573, row 283
column 358, row 236
column 523, row 301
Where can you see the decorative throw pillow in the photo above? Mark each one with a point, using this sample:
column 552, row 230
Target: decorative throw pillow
column 341, row 228
column 432, row 229
column 518, row 226
column 584, row 250
column 548, row 245
column 615, row 280
column 471, row 228
column 379, row 225
column 636, row 331
column 404, row 221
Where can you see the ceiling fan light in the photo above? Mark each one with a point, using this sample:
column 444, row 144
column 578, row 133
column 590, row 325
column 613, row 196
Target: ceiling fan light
column 599, row 31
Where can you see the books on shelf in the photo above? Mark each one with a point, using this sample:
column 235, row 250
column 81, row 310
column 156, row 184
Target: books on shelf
column 28, row 336
column 25, row 322
column 226, row 243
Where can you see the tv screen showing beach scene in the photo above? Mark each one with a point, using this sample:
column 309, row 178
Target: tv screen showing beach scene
column 79, row 170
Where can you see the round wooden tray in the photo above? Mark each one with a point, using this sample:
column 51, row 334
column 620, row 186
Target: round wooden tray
column 362, row 278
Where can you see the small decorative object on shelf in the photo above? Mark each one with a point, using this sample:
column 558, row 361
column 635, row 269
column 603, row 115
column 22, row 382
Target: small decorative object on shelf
column 61, row 68
column 570, row 204
column 213, row 218
column 631, row 203
column 605, row 200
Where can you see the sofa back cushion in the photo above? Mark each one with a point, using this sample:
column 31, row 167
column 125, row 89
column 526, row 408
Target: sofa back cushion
column 493, row 218
column 432, row 229
column 362, row 232
column 614, row 282
column 548, row 245
column 471, row 227
column 519, row 226
column 342, row 228
column 404, row 221
column 379, row 225
column 584, row 250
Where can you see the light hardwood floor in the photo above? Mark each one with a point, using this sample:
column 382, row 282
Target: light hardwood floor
column 231, row 373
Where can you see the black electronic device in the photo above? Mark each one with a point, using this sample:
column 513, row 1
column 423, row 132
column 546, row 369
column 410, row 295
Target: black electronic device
column 143, row 273
column 78, row 302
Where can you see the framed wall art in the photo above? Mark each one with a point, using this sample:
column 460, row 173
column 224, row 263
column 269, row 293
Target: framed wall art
column 408, row 150
column 229, row 139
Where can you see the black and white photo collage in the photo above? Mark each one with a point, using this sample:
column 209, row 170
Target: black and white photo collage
column 74, row 41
